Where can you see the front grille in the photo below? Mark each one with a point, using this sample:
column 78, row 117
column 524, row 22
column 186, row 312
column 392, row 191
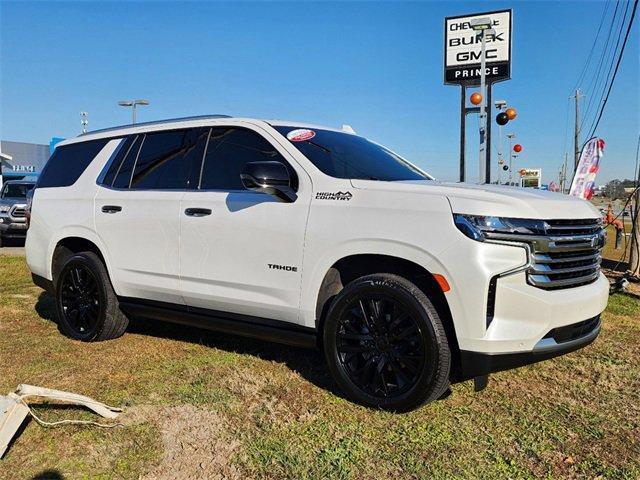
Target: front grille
column 565, row 255
column 18, row 212
column 574, row 331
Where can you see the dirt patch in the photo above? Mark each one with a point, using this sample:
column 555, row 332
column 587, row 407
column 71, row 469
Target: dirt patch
column 194, row 440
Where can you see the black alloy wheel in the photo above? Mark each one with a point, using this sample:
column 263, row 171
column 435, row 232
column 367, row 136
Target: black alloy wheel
column 385, row 344
column 80, row 300
column 88, row 308
column 380, row 345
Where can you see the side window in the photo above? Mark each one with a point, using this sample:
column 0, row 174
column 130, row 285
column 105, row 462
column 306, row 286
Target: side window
column 228, row 151
column 68, row 162
column 123, row 174
column 170, row 160
column 121, row 153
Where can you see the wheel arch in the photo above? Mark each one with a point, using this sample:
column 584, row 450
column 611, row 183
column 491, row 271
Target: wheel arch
column 70, row 245
column 353, row 266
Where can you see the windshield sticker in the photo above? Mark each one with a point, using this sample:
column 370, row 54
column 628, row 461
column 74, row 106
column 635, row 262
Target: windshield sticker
column 300, row 135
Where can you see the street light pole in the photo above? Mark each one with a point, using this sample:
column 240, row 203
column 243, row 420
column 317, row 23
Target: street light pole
column 84, row 121
column 133, row 104
column 511, row 136
column 500, row 105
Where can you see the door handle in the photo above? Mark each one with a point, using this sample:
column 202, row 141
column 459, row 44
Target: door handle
column 111, row 209
column 197, row 212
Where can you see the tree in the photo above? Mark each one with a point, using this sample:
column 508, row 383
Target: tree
column 614, row 189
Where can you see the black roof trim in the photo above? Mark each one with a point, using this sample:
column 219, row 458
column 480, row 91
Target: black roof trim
column 157, row 122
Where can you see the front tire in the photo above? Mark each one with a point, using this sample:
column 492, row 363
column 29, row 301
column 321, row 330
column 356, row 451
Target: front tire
column 385, row 344
column 86, row 303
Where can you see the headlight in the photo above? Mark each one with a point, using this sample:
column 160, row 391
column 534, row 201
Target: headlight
column 479, row 227
column 4, row 208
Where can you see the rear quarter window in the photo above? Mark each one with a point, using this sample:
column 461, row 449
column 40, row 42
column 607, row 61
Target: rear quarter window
column 68, row 162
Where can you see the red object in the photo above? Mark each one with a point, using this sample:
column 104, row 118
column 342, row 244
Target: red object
column 610, row 219
column 517, row 148
column 476, row 98
column 511, row 113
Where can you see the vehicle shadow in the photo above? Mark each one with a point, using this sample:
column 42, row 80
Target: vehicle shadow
column 308, row 363
column 12, row 242
column 48, row 475
column 615, row 265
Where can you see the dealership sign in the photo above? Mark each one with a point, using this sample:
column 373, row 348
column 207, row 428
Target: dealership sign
column 531, row 178
column 23, row 168
column 462, row 50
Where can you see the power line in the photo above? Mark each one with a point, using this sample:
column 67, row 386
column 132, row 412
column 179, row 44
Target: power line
column 596, row 78
column 615, row 72
column 593, row 46
column 615, row 52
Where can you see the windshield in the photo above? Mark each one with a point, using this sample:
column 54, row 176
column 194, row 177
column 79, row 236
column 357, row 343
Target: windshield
column 344, row 155
column 16, row 190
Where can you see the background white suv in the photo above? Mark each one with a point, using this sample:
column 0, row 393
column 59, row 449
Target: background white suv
column 314, row 237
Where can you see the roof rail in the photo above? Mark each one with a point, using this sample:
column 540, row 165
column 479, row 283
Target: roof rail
column 157, row 122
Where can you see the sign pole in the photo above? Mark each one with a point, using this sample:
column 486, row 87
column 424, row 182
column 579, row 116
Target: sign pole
column 487, row 123
column 463, row 123
column 483, row 116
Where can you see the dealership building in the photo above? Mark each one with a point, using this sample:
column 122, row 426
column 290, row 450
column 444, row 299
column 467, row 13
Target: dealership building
column 23, row 161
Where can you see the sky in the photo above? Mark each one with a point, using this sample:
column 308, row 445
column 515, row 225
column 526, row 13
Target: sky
column 377, row 66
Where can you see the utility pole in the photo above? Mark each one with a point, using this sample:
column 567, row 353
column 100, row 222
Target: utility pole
column 563, row 173
column 576, row 134
column 634, row 255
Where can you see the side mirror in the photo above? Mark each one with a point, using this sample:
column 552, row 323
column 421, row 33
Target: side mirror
column 268, row 177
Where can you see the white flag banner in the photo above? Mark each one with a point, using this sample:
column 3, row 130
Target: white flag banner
column 588, row 166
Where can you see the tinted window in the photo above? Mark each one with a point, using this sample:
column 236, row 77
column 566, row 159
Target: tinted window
column 170, row 160
column 68, row 162
column 16, row 190
column 344, row 155
column 228, row 151
column 119, row 154
column 125, row 169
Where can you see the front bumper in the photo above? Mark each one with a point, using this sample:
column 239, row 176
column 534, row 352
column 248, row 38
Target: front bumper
column 556, row 342
column 11, row 229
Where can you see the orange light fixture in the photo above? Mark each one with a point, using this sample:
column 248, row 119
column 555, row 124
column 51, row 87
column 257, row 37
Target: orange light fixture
column 511, row 113
column 476, row 98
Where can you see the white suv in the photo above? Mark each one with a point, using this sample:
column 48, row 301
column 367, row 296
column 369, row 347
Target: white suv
column 314, row 237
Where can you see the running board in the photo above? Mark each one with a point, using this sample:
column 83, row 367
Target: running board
column 224, row 322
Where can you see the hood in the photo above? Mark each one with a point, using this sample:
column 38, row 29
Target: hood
column 496, row 200
column 12, row 201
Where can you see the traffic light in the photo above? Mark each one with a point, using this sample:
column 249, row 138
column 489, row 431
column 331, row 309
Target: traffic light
column 511, row 113
column 476, row 98
column 517, row 148
column 505, row 168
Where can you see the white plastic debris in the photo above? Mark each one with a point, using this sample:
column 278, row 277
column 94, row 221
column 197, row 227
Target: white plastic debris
column 14, row 408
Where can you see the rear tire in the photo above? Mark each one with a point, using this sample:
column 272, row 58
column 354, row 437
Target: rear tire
column 385, row 344
column 86, row 303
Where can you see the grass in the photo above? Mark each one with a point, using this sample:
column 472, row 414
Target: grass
column 259, row 410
